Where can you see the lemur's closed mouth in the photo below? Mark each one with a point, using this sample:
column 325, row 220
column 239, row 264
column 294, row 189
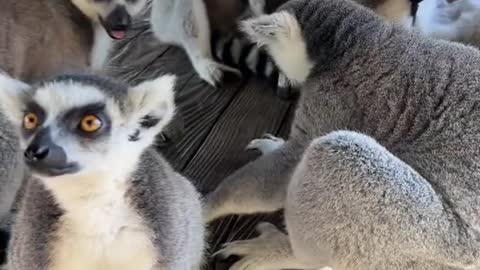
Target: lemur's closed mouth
column 54, row 171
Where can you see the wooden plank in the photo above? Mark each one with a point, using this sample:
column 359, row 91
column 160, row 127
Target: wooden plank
column 254, row 111
column 198, row 104
column 200, row 107
column 284, row 130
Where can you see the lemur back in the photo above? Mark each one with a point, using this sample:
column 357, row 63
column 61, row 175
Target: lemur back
column 382, row 164
column 230, row 46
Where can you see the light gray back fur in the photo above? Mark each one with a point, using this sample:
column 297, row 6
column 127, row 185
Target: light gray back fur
column 399, row 189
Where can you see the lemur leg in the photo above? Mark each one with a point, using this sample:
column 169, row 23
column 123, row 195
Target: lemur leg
column 259, row 186
column 196, row 42
column 351, row 204
column 270, row 251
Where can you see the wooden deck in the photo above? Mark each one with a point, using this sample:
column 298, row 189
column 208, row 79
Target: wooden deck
column 206, row 140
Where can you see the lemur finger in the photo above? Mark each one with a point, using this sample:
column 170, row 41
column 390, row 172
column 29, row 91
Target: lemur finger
column 267, row 228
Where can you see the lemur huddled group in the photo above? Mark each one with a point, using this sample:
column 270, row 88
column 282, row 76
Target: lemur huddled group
column 381, row 170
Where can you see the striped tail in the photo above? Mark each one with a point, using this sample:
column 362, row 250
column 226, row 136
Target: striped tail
column 237, row 51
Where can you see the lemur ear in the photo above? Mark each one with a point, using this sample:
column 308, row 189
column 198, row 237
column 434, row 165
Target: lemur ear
column 267, row 28
column 153, row 102
column 12, row 96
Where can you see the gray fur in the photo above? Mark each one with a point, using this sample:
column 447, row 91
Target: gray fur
column 398, row 189
column 166, row 202
column 12, row 169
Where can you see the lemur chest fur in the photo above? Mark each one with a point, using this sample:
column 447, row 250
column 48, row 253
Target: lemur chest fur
column 100, row 231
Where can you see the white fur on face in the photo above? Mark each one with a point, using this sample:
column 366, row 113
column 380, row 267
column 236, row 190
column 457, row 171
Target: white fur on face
column 58, row 97
column 281, row 34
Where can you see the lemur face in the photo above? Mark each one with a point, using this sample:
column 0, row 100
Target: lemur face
column 76, row 126
column 114, row 15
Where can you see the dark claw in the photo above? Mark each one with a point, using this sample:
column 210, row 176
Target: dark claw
column 4, row 238
column 287, row 93
column 226, row 263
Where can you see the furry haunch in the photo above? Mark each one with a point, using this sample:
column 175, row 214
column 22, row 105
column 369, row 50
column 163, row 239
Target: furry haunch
column 382, row 165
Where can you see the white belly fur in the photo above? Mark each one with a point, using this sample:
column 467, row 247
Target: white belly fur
column 102, row 233
column 130, row 250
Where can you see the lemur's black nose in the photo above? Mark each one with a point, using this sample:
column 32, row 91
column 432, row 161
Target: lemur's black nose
column 43, row 155
column 119, row 19
column 36, row 152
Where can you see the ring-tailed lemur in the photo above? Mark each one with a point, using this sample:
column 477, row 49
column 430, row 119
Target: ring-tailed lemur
column 382, row 167
column 455, row 20
column 100, row 197
column 41, row 38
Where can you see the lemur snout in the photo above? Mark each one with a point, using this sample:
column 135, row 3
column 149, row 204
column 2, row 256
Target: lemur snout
column 36, row 153
column 117, row 22
column 47, row 158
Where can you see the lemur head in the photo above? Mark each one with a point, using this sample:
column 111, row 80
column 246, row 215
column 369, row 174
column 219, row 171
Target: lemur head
column 82, row 125
column 114, row 15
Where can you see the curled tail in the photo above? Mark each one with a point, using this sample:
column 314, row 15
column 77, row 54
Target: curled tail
column 237, row 51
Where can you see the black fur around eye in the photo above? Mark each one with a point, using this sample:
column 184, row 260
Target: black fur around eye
column 90, row 121
column 102, row 1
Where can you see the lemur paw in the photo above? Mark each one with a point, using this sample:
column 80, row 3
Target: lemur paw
column 213, row 72
column 266, row 144
column 270, row 251
column 286, row 89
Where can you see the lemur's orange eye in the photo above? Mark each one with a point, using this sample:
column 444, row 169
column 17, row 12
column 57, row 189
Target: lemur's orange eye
column 90, row 123
column 30, row 121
